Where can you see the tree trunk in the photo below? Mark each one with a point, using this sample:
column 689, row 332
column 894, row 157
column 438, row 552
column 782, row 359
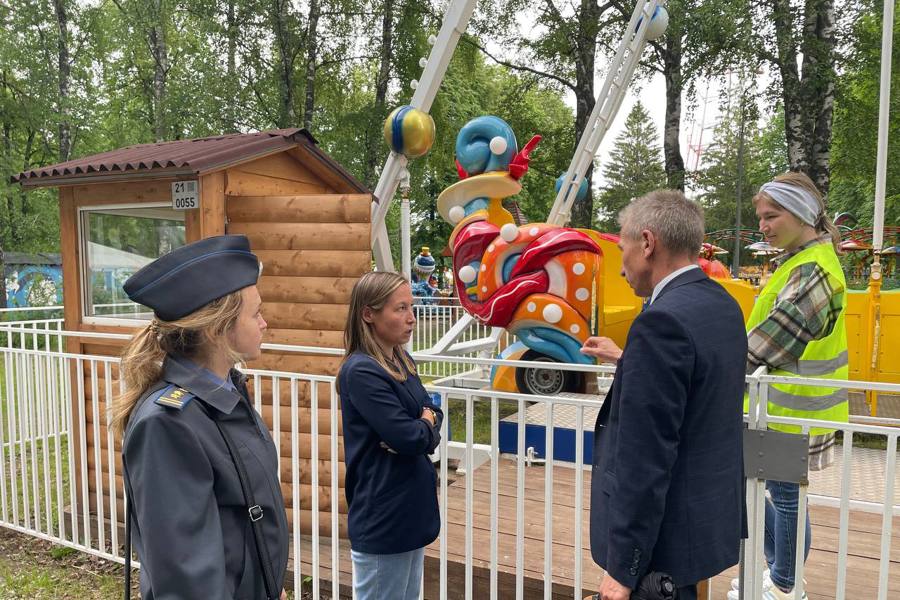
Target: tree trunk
column 381, row 87
column 808, row 95
column 229, row 118
column 818, row 50
column 287, row 116
column 159, row 50
column 65, row 139
column 26, row 164
column 794, row 126
column 10, row 241
column 312, row 48
column 585, row 54
column 672, row 130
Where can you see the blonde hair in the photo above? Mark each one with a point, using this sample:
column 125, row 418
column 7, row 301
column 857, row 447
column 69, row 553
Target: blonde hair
column 373, row 290
column 191, row 336
column 823, row 223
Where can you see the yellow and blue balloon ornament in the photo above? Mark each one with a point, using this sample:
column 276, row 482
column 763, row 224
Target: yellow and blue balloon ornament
column 409, row 131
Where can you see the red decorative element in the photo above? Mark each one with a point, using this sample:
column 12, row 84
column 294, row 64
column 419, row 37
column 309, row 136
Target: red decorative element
column 714, row 268
column 552, row 243
column 498, row 310
column 518, row 166
column 469, row 245
column 460, row 171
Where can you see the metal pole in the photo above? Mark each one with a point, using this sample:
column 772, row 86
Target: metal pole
column 887, row 34
column 736, row 263
column 405, row 244
column 874, row 291
column 456, row 19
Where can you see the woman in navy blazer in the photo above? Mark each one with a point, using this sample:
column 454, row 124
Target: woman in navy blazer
column 390, row 428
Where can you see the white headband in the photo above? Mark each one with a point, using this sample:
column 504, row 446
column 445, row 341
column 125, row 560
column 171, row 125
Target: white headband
column 795, row 200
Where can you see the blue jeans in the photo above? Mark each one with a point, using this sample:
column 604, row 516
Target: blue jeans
column 387, row 576
column 781, row 532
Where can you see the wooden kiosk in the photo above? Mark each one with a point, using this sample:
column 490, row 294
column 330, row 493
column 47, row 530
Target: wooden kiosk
column 307, row 219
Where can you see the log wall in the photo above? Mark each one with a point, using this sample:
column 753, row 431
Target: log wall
column 312, row 232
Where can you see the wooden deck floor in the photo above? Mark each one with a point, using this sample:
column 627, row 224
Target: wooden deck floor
column 821, row 567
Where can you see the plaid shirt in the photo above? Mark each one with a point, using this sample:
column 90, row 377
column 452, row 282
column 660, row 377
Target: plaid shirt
column 806, row 309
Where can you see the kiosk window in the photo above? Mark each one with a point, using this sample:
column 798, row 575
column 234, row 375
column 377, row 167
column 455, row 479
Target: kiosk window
column 116, row 243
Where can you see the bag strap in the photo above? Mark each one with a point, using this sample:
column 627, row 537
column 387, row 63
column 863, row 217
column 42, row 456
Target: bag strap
column 254, row 511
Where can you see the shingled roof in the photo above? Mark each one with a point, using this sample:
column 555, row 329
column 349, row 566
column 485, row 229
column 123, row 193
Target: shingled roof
column 181, row 157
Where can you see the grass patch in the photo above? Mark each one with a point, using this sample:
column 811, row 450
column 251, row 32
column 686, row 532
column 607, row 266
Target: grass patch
column 35, row 569
column 61, row 552
column 481, row 419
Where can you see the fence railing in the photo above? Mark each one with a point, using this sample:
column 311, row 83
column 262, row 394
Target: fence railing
column 432, row 323
column 60, row 474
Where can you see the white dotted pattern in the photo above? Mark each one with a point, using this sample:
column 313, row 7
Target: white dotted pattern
column 509, row 232
column 552, row 313
column 498, row 145
column 467, row 274
column 457, row 213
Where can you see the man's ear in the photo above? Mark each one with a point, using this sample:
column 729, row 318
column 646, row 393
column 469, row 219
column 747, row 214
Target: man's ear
column 648, row 243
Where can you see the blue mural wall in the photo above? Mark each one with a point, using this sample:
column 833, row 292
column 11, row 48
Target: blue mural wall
column 32, row 280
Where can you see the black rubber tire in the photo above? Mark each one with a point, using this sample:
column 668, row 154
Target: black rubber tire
column 546, row 382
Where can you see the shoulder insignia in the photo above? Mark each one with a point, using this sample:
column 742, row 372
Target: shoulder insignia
column 174, row 397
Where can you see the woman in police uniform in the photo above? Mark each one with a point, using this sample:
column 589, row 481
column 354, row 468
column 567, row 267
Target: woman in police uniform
column 200, row 467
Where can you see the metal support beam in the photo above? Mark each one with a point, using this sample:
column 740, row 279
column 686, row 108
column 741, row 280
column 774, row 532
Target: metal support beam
column 456, row 19
column 621, row 70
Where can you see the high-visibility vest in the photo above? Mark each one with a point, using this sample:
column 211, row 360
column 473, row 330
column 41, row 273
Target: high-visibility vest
column 825, row 358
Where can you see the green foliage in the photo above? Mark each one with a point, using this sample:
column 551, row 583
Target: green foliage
column 764, row 156
column 227, row 62
column 635, row 167
column 853, row 151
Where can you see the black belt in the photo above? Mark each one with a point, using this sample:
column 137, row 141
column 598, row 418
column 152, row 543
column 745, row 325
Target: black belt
column 254, row 511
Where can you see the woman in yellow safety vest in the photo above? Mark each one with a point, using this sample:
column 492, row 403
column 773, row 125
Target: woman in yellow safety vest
column 797, row 328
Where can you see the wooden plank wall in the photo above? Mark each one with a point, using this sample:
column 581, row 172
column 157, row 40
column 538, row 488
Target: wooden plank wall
column 314, row 244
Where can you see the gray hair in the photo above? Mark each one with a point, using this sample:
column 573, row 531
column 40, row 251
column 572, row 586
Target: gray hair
column 676, row 221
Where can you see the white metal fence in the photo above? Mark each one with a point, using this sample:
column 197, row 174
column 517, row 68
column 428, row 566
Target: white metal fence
column 433, row 321
column 60, row 472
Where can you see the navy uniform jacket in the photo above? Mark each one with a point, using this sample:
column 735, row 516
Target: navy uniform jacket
column 667, row 482
column 391, row 496
column 190, row 525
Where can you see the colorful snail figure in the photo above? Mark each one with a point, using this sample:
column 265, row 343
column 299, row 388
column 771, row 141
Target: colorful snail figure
column 539, row 281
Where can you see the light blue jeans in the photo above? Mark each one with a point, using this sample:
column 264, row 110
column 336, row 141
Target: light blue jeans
column 781, row 532
column 387, row 576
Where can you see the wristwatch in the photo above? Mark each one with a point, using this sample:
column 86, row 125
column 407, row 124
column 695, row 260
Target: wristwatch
column 433, row 416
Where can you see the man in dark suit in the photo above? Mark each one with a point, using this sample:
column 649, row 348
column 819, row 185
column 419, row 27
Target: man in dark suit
column 667, row 482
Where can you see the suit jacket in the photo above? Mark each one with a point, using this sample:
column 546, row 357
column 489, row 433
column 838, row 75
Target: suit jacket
column 391, row 494
column 667, row 482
